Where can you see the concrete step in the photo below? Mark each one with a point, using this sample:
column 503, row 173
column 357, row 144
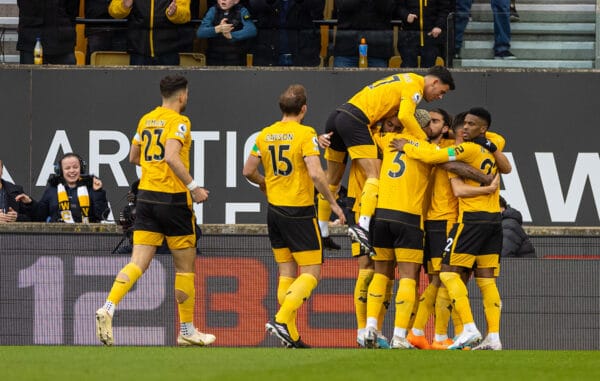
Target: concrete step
column 9, row 59
column 566, row 13
column 534, row 50
column 537, row 28
column 8, row 9
column 537, row 64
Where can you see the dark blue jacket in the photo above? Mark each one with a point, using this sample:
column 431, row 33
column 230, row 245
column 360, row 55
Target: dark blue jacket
column 53, row 21
column 11, row 191
column 46, row 209
column 303, row 37
column 515, row 242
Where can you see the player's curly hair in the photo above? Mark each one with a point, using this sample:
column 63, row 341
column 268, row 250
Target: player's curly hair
column 170, row 84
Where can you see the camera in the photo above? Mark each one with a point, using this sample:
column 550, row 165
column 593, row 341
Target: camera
column 127, row 215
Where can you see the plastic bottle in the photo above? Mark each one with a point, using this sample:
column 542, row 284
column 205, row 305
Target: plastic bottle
column 362, row 53
column 38, row 52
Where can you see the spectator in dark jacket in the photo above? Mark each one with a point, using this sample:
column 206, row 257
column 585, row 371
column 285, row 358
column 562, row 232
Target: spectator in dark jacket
column 15, row 205
column 102, row 37
column 368, row 19
column 156, row 30
column 227, row 26
column 72, row 195
column 423, row 32
column 287, row 35
column 53, row 21
column 515, row 243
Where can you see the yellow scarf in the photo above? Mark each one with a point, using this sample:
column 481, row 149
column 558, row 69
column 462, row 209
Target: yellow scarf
column 65, row 207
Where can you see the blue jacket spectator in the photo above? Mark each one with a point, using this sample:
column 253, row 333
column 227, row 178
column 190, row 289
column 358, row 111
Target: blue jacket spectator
column 228, row 26
column 287, row 35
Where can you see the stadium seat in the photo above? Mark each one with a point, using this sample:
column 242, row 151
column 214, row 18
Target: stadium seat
column 109, row 58
column 395, row 61
column 192, row 59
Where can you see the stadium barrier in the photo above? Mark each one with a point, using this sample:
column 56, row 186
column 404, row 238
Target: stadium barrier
column 54, row 276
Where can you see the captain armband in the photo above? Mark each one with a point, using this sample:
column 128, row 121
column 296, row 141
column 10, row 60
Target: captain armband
column 451, row 154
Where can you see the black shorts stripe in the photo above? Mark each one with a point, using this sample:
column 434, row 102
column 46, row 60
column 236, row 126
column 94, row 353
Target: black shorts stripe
column 398, row 216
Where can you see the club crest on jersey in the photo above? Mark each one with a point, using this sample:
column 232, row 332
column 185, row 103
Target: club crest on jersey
column 417, row 98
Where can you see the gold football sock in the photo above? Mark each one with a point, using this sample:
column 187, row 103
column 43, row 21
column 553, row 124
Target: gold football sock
column 492, row 304
column 405, row 301
column 443, row 307
column 121, row 287
column 368, row 201
column 458, row 295
column 426, row 307
column 456, row 322
column 360, row 296
column 297, row 293
column 184, row 282
column 376, row 295
column 386, row 304
column 324, row 210
column 285, row 283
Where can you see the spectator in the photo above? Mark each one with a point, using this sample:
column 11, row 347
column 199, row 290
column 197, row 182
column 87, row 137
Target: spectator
column 72, row 195
column 15, row 206
column 370, row 20
column 515, row 242
column 227, row 26
column 53, row 21
column 102, row 37
column 501, row 10
column 423, row 31
column 156, row 30
column 287, row 35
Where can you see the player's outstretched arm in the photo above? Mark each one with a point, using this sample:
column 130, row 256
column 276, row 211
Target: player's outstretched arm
column 461, row 189
column 316, row 173
column 466, row 171
column 172, row 149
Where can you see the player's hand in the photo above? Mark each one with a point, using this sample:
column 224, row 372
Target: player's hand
column 128, row 3
column 172, row 8
column 485, row 143
column 496, row 182
column 340, row 213
column 325, row 140
column 398, row 144
column 25, row 199
column 199, row 194
column 411, row 18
